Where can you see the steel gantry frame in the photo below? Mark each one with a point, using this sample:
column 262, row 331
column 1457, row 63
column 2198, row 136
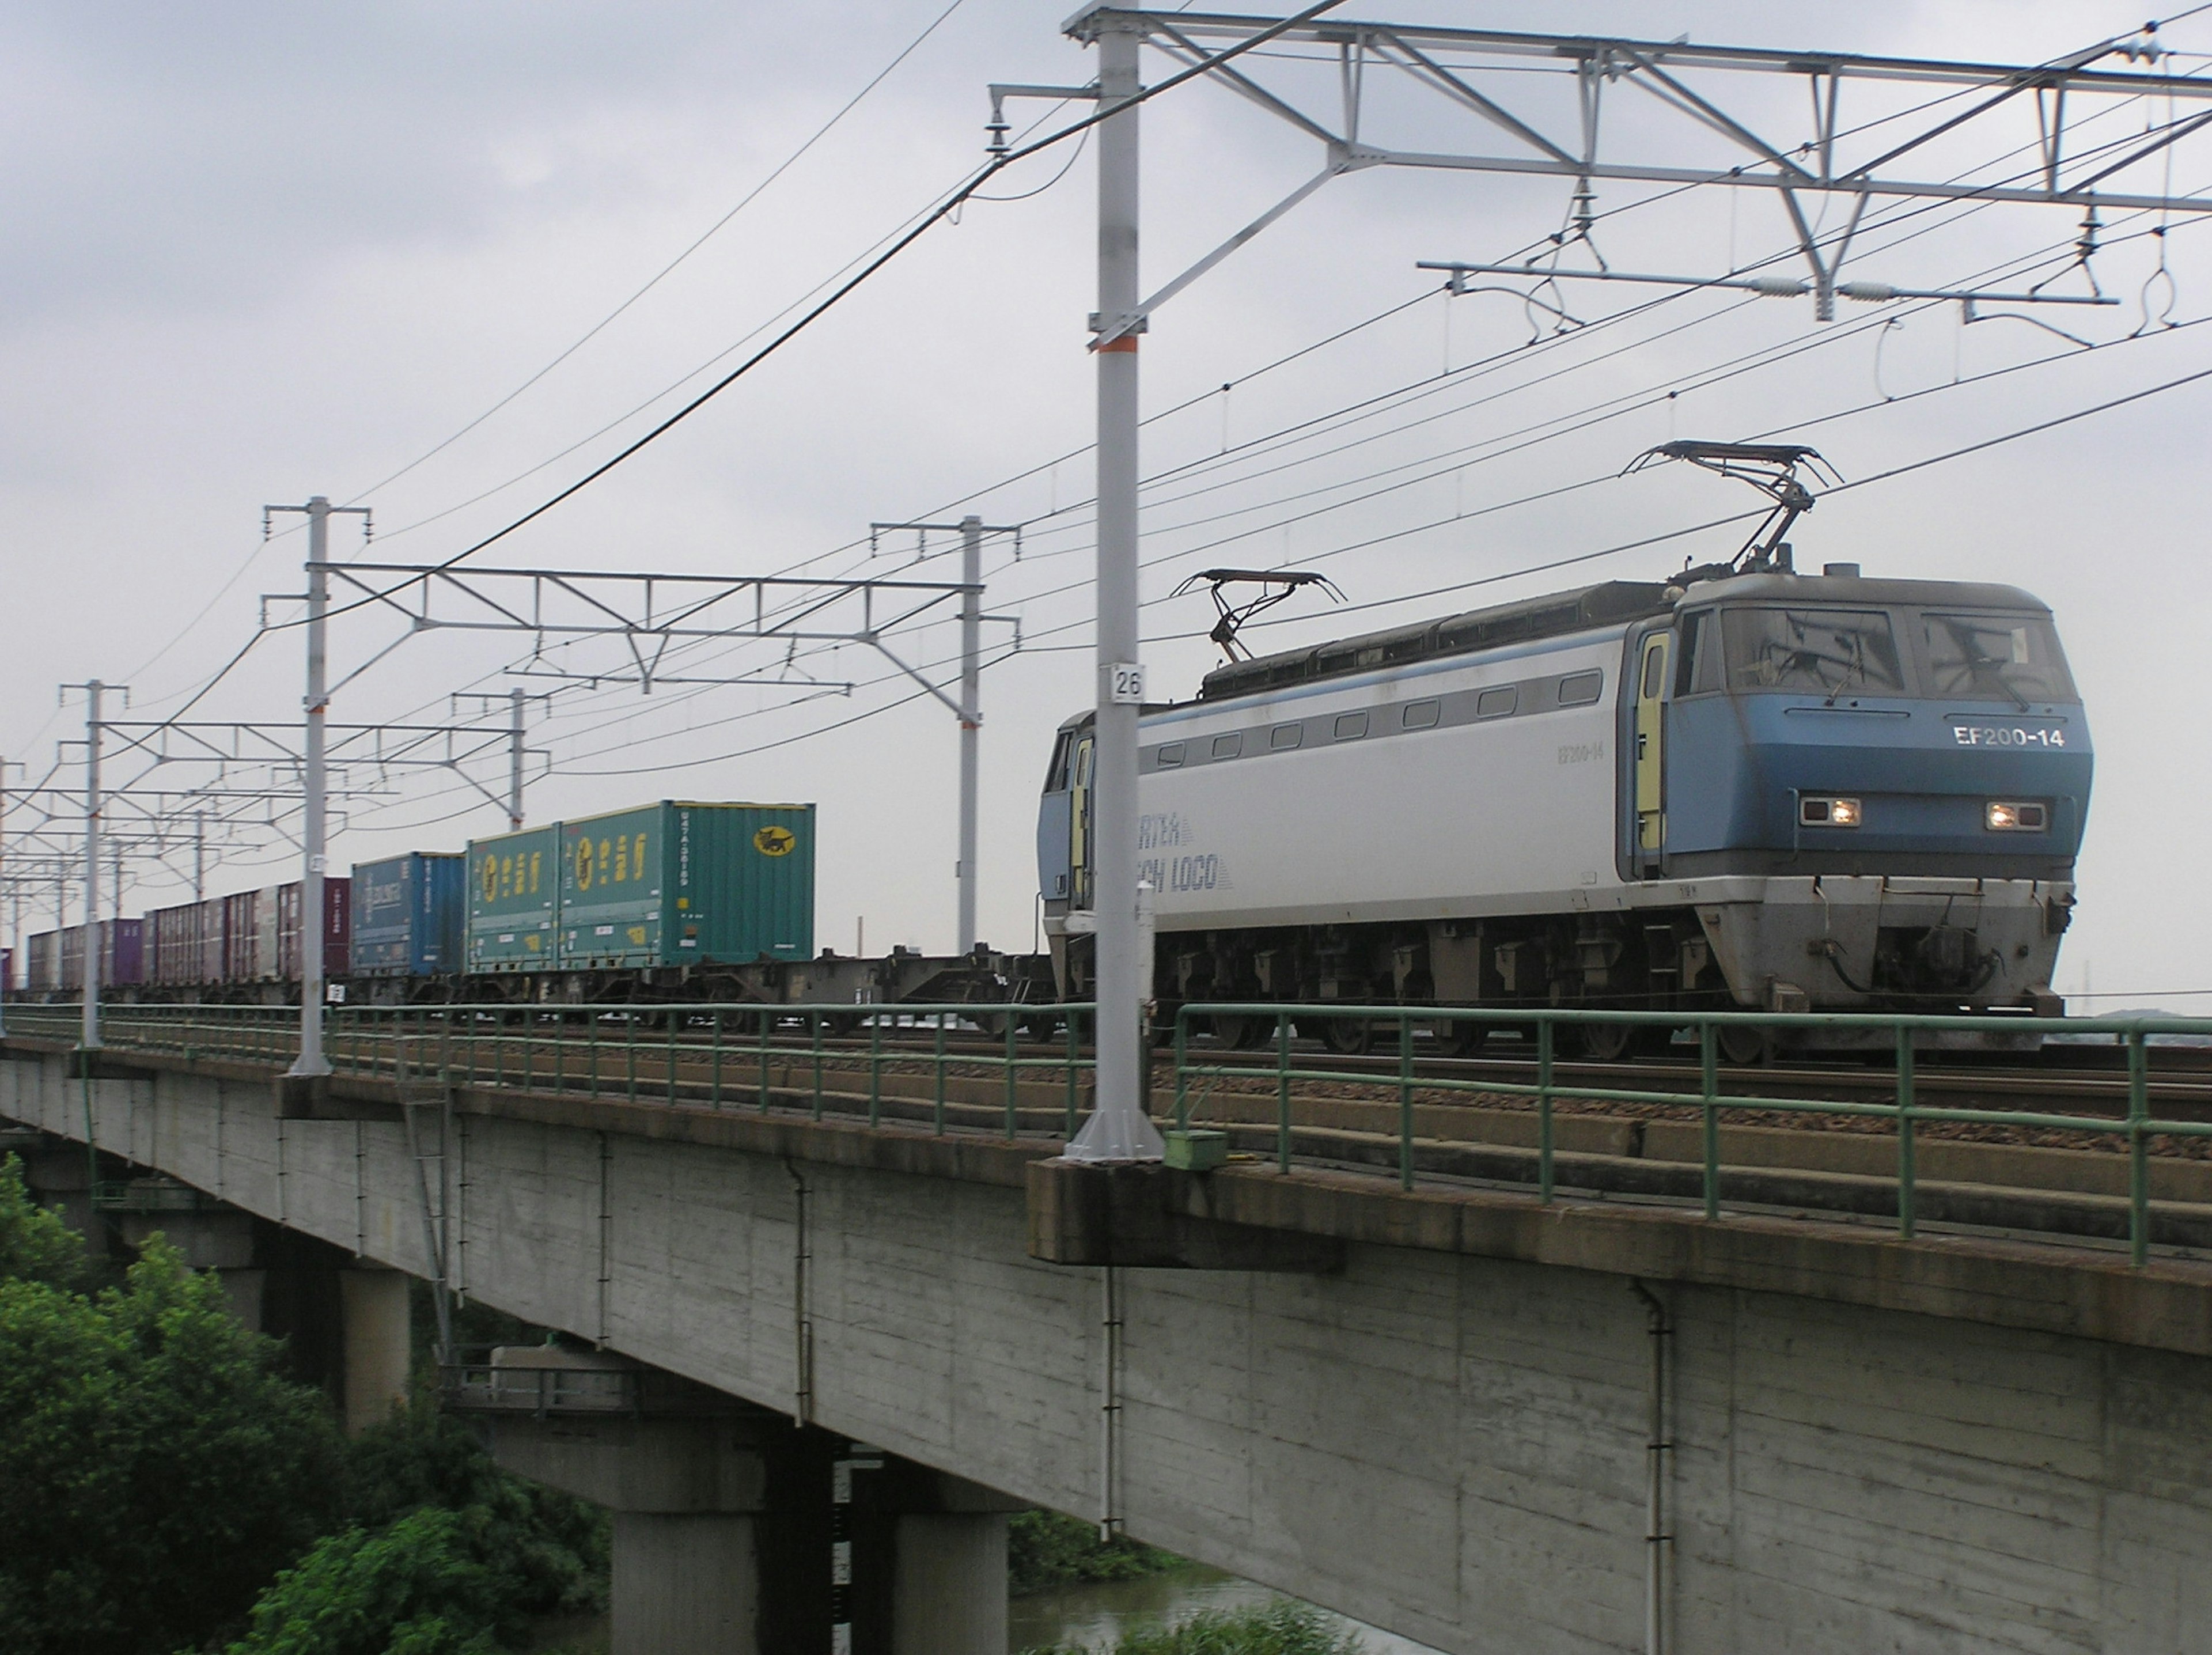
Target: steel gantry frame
column 649, row 611
column 306, row 749
column 1459, row 66
column 968, row 709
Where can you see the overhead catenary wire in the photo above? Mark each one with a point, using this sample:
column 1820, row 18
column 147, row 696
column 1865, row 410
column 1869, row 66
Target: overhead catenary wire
column 937, row 214
column 669, row 268
column 1195, row 401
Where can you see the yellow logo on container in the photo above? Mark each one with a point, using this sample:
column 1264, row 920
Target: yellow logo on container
column 773, row 840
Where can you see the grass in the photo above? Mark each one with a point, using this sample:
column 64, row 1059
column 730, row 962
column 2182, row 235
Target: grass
column 1281, row 1627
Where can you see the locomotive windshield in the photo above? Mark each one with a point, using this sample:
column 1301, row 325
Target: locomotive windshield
column 1825, row 651
column 1996, row 658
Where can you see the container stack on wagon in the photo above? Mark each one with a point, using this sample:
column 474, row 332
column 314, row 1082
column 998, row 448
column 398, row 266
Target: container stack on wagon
column 407, row 916
column 635, row 900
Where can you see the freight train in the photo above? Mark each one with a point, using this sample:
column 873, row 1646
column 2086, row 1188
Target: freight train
column 670, row 901
column 1732, row 789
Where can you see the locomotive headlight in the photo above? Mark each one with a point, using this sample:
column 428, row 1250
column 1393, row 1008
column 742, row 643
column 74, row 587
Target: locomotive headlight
column 2007, row 816
column 1826, row 811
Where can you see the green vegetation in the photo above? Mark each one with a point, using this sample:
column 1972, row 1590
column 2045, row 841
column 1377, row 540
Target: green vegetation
column 157, row 1471
column 446, row 1554
column 154, row 1468
column 1047, row 1548
column 1280, row 1628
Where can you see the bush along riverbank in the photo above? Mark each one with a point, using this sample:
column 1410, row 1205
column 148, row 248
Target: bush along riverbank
column 1049, row 1549
column 1281, row 1627
column 164, row 1488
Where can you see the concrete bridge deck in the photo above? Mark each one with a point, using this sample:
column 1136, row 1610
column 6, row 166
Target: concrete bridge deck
column 1428, row 1407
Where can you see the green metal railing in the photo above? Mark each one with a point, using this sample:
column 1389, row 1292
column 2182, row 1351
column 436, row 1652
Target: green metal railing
column 719, row 1056
column 1903, row 1035
column 966, row 1067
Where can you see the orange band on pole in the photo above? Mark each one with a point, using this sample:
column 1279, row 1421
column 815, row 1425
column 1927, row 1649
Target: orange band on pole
column 1127, row 342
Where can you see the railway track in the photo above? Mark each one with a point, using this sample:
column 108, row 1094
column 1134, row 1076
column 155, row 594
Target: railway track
column 2020, row 1148
column 2089, row 1081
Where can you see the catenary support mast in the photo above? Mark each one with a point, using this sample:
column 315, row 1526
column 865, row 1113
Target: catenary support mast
column 91, row 700
column 971, row 717
column 1117, row 1129
column 314, row 827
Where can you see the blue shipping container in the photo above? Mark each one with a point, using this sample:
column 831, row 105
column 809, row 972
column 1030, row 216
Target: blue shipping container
column 408, row 915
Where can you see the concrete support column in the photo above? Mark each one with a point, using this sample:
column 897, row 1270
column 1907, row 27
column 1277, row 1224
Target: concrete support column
column 688, row 1496
column 948, row 1591
column 218, row 1238
column 687, row 1583
column 378, row 1345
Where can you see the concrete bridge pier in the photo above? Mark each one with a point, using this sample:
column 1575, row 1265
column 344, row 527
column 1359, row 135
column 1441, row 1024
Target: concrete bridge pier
column 949, row 1593
column 737, row 1532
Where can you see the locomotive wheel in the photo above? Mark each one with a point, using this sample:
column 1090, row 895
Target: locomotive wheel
column 1456, row 1039
column 1040, row 1027
column 1238, row 1032
column 1738, row 1044
column 1604, row 1043
column 1348, row 1037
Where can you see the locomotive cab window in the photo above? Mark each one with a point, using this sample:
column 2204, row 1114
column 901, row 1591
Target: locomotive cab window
column 2013, row 658
column 1698, row 667
column 1825, row 652
column 1055, row 772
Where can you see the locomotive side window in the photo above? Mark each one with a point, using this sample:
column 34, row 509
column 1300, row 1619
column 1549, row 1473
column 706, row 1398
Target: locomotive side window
column 1498, row 702
column 1421, row 714
column 1580, row 689
column 1055, row 771
column 1350, row 727
column 1285, row 735
column 1170, row 754
column 1996, row 658
column 1817, row 651
column 1228, row 746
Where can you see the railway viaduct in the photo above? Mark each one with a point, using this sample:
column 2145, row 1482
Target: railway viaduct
column 1489, row 1424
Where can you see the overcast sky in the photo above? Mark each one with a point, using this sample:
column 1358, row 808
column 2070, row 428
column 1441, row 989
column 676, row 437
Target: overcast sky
column 258, row 251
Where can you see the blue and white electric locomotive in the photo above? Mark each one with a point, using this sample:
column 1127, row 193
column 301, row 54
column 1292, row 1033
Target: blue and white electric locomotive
column 1741, row 787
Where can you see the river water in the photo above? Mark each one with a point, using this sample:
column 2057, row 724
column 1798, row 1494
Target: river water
column 1096, row 1615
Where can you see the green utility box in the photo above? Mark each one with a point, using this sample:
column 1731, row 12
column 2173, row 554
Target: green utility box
column 678, row 884
column 514, row 882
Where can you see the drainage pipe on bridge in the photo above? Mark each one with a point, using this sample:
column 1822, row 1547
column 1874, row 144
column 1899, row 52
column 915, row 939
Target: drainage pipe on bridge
column 1657, row 1447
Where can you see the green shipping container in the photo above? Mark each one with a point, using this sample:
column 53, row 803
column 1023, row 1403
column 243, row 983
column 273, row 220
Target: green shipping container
column 678, row 884
column 514, row 882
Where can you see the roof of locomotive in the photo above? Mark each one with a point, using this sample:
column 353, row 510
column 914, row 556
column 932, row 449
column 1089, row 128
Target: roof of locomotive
column 1560, row 614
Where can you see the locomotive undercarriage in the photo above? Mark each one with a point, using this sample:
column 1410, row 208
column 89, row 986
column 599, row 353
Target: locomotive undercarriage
column 1860, row 945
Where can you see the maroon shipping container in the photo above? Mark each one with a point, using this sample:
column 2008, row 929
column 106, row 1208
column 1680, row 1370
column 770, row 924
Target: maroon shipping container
column 268, row 927
column 338, row 928
column 44, row 969
column 176, row 948
column 241, row 937
column 123, row 952
column 215, row 938
column 7, row 970
column 122, row 955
